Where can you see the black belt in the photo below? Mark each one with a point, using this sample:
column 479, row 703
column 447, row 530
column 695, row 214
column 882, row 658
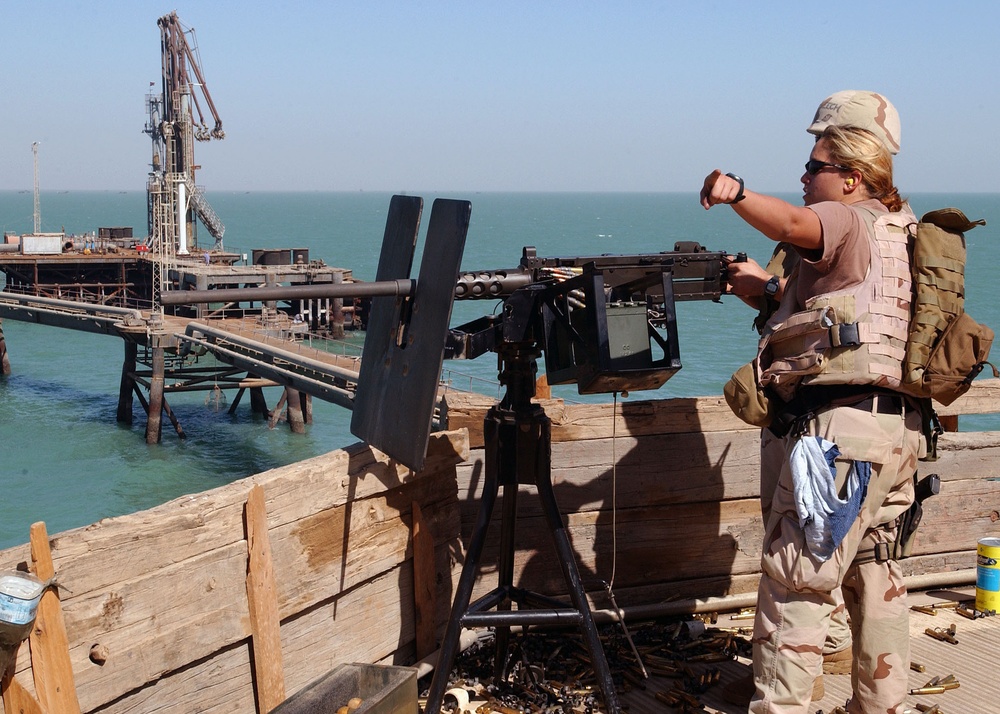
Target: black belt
column 814, row 398
column 883, row 403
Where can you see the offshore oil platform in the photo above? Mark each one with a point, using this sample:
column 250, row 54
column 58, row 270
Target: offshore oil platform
column 112, row 282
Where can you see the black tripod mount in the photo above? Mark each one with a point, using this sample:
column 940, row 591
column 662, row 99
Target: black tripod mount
column 517, row 436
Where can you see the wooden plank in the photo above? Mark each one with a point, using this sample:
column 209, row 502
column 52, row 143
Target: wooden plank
column 654, row 471
column 50, row 662
column 220, row 684
column 315, row 559
column 336, row 549
column 423, row 584
column 157, row 625
column 262, row 599
column 125, row 547
column 983, row 398
column 16, row 698
column 575, row 422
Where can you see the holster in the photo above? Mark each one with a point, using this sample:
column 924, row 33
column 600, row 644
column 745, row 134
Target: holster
column 909, row 520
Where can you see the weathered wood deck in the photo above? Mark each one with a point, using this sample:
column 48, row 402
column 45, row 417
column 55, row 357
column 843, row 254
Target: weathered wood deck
column 972, row 662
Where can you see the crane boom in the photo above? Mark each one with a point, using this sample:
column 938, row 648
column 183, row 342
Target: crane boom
column 174, row 201
column 178, row 55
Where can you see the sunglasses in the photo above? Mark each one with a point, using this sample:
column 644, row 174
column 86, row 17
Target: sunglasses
column 814, row 166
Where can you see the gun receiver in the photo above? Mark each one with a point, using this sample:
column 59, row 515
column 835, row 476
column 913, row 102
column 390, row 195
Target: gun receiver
column 599, row 318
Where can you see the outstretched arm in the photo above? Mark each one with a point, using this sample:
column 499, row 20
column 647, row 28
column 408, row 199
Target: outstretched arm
column 776, row 219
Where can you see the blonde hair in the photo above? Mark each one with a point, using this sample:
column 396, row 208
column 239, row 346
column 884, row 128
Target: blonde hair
column 862, row 151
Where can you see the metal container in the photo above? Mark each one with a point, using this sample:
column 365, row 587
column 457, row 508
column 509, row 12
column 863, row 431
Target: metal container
column 382, row 689
column 19, row 596
column 42, row 244
column 988, row 575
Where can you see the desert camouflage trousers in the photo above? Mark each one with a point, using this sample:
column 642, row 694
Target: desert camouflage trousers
column 798, row 593
column 772, row 456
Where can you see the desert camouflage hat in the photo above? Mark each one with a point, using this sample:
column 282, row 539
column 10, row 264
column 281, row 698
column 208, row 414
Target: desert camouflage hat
column 864, row 110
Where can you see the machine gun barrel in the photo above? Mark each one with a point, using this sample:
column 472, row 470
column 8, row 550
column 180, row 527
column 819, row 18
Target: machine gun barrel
column 380, row 288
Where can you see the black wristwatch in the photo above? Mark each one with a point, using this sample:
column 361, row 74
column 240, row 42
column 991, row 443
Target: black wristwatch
column 772, row 285
column 739, row 196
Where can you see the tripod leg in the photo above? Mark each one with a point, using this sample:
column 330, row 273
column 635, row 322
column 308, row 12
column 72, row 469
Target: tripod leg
column 449, row 646
column 506, row 573
column 577, row 594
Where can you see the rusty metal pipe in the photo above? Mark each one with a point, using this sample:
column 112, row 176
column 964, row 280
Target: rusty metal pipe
column 726, row 603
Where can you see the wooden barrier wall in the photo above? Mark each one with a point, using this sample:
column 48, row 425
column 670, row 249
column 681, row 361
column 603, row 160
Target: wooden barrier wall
column 161, row 596
column 678, row 518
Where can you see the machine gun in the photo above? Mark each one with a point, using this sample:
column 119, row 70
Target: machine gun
column 607, row 323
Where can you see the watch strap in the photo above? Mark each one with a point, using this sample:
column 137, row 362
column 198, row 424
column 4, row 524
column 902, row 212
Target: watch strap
column 739, row 196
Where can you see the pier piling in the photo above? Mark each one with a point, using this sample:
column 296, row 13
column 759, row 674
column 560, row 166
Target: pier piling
column 4, row 359
column 154, row 413
column 296, row 422
column 127, row 384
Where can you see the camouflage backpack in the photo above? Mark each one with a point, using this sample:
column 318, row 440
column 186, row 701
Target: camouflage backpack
column 946, row 349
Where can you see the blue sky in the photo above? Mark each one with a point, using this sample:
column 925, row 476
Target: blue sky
column 498, row 96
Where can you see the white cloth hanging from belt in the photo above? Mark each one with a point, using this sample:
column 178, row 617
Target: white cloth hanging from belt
column 824, row 517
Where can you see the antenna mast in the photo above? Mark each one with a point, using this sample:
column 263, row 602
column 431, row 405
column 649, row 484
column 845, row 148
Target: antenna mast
column 38, row 210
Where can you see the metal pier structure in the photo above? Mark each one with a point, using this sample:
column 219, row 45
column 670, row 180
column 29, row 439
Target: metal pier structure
column 164, row 355
column 111, row 283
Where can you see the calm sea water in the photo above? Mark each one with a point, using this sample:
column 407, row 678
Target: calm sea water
column 65, row 460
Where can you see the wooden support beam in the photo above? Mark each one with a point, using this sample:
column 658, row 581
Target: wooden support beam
column 258, row 405
column 336, row 314
column 262, row 596
column 307, row 407
column 126, row 385
column 236, row 400
column 274, row 416
column 15, row 697
column 137, row 390
column 173, row 419
column 424, row 585
column 50, row 662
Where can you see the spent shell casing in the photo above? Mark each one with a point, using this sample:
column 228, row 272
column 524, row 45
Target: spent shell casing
column 947, row 604
column 668, row 698
column 927, row 690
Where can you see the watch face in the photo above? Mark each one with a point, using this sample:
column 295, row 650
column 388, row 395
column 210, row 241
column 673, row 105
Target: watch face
column 771, row 288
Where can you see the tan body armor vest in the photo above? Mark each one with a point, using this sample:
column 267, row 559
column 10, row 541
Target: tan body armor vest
column 851, row 336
